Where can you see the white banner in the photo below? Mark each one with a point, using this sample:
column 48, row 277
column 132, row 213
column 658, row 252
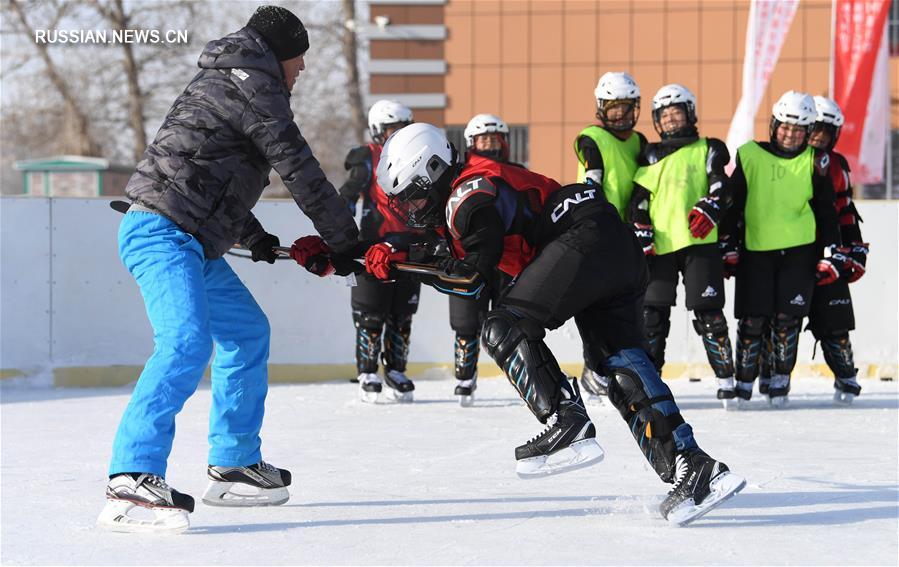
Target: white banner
column 769, row 22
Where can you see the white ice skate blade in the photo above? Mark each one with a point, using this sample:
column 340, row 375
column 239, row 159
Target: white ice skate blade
column 576, row 456
column 779, row 402
column 238, row 494
column 842, row 398
column 466, row 401
column 730, row 404
column 125, row 516
column 400, row 397
column 722, row 488
column 368, row 397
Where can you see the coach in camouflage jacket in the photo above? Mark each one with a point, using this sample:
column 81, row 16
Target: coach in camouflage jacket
column 192, row 196
column 213, row 153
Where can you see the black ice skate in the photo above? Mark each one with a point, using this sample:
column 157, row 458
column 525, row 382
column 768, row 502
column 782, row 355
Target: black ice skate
column 144, row 503
column 700, row 484
column 726, row 393
column 465, row 390
column 400, row 386
column 568, row 443
column 778, row 390
column 596, row 385
column 742, row 393
column 845, row 390
column 256, row 485
column 369, row 387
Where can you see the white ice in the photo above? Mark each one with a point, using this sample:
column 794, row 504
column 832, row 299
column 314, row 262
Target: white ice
column 432, row 483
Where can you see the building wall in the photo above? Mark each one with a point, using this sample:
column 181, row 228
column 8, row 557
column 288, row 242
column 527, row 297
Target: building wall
column 536, row 62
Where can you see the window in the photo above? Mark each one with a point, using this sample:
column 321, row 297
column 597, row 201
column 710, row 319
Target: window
column 893, row 26
column 518, row 142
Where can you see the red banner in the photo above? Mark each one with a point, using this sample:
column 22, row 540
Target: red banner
column 859, row 38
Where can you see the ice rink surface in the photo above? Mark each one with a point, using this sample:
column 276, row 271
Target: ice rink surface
column 433, row 484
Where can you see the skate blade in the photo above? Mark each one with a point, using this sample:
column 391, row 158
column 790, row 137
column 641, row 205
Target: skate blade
column 731, row 404
column 724, row 487
column 466, row 401
column 779, row 402
column 240, row 495
column 843, row 398
column 368, row 397
column 576, row 456
column 401, row 397
column 122, row 516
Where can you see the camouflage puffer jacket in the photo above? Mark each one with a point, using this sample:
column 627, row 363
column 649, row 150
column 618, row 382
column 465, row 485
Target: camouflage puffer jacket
column 213, row 153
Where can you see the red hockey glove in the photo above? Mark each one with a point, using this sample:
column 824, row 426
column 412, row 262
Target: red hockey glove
column 703, row 217
column 645, row 235
column 311, row 252
column 379, row 257
column 830, row 269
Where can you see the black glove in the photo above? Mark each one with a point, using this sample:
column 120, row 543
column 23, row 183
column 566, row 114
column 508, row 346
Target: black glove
column 454, row 267
column 646, row 235
column 345, row 265
column 263, row 250
column 730, row 255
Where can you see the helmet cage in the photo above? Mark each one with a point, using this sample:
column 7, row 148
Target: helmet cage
column 688, row 129
column 604, row 105
column 418, row 205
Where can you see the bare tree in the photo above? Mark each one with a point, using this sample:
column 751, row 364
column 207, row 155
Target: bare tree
column 81, row 142
column 350, row 47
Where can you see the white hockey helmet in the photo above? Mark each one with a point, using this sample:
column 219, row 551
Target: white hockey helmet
column 616, row 88
column 793, row 107
column 384, row 113
column 828, row 111
column 412, row 161
column 670, row 95
column 829, row 118
column 484, row 124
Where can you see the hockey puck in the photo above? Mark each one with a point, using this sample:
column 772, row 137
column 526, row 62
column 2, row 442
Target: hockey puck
column 695, row 379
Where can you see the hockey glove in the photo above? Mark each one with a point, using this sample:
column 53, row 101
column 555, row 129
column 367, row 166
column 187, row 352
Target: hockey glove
column 858, row 258
column 645, row 235
column 730, row 255
column 263, row 250
column 830, row 269
column 703, row 217
column 379, row 257
column 311, row 252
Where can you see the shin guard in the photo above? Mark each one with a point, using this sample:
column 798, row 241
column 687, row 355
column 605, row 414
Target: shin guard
column 838, row 353
column 658, row 322
column 466, row 348
column 397, row 330
column 368, row 340
column 785, row 340
column 712, row 327
column 749, row 348
column 652, row 429
column 516, row 344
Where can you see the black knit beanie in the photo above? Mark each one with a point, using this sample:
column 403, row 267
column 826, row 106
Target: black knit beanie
column 282, row 31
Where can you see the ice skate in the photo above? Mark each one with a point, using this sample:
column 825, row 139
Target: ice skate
column 845, row 390
column 778, row 391
column 596, row 386
column 465, row 390
column 700, row 484
column 256, row 485
column 568, row 443
column 764, row 385
column 742, row 394
column 401, row 388
column 726, row 392
column 144, row 504
column 369, row 387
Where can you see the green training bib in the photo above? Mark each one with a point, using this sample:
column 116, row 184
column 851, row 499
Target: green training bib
column 675, row 183
column 778, row 190
column 619, row 158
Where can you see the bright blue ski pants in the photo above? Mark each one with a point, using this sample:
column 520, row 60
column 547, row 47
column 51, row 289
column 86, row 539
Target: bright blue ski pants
column 192, row 303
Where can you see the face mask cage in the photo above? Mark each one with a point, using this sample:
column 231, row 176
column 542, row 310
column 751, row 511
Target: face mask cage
column 685, row 131
column 379, row 132
column 417, row 205
column 827, row 127
column 772, row 134
column 627, row 122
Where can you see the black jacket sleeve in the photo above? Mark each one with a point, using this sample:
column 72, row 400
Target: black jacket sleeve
column 638, row 209
column 268, row 121
column 731, row 228
column 719, row 184
column 592, row 156
column 822, row 202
